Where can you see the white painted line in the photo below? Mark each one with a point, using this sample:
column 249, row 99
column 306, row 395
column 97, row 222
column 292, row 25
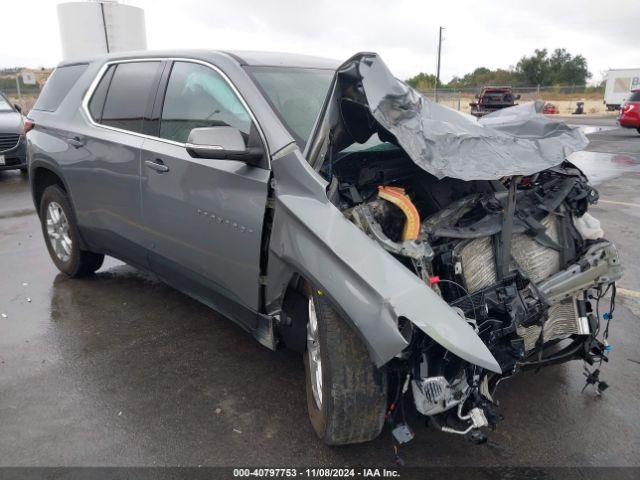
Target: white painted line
column 628, row 293
column 625, row 204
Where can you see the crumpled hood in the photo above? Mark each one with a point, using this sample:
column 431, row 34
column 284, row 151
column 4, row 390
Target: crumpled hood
column 448, row 143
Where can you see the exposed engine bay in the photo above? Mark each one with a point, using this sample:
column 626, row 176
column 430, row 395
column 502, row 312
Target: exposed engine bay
column 489, row 215
column 520, row 259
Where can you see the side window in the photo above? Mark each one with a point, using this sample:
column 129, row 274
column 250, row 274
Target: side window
column 58, row 85
column 128, row 95
column 96, row 104
column 198, row 96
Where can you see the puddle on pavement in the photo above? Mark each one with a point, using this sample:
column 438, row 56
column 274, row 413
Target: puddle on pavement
column 600, row 167
column 588, row 129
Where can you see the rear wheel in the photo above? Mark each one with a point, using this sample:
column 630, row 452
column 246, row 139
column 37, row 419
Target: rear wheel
column 346, row 393
column 61, row 235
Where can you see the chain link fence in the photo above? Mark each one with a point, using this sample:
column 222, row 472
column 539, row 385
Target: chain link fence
column 563, row 97
column 24, row 95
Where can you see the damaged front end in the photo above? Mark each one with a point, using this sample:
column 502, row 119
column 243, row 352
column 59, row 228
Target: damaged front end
column 488, row 215
column 519, row 260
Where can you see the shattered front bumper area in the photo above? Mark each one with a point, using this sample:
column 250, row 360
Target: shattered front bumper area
column 522, row 266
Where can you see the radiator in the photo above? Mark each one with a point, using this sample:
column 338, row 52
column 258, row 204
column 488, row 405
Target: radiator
column 539, row 262
column 479, row 269
column 562, row 321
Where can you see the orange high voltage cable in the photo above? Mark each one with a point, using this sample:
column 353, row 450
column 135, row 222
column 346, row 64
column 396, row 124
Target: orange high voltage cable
column 397, row 196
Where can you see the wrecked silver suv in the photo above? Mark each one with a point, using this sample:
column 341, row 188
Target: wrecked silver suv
column 405, row 249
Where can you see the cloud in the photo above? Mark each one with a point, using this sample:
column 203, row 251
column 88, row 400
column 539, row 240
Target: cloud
column 494, row 33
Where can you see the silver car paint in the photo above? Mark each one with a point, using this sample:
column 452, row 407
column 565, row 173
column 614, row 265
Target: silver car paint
column 206, row 215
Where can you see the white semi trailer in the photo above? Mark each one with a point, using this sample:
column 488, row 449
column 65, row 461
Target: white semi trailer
column 619, row 83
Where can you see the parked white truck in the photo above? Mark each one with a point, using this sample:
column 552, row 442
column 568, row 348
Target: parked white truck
column 620, row 82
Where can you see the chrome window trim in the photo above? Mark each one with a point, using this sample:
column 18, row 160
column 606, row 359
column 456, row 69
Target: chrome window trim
column 94, row 84
column 205, row 147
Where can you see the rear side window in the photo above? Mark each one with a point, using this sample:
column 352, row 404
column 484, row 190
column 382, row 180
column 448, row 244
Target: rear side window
column 635, row 96
column 58, row 85
column 128, row 95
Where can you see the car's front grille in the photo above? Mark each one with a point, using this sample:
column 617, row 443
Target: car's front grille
column 8, row 140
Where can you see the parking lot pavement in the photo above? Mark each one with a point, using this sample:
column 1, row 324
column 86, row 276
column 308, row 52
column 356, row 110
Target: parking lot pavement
column 119, row 369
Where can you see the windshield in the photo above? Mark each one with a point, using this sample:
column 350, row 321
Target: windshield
column 297, row 94
column 4, row 105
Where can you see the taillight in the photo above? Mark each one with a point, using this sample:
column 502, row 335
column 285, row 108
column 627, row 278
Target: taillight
column 28, row 125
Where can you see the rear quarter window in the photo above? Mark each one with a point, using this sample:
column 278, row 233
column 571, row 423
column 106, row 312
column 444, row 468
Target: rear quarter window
column 58, row 86
column 634, row 97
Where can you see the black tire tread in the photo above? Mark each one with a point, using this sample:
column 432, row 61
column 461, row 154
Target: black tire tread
column 82, row 262
column 355, row 406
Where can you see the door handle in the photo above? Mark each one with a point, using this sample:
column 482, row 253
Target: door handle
column 157, row 165
column 75, row 142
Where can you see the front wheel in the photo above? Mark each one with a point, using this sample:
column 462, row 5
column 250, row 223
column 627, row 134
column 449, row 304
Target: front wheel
column 346, row 393
column 61, row 235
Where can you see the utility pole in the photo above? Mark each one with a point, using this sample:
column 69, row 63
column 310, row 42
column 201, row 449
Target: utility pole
column 18, row 87
column 438, row 69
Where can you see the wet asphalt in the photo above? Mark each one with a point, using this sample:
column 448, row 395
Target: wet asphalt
column 120, row 370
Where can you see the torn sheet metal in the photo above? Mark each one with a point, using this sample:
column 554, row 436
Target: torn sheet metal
column 447, row 143
column 370, row 287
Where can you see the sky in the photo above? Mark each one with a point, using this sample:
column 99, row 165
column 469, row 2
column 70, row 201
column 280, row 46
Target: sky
column 490, row 33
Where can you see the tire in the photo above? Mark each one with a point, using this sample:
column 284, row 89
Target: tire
column 69, row 258
column 638, row 129
column 354, row 391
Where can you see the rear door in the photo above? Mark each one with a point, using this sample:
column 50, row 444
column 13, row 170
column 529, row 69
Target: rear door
column 203, row 218
column 107, row 184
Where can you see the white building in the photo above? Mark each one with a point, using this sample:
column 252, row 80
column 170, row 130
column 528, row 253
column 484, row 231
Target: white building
column 98, row 27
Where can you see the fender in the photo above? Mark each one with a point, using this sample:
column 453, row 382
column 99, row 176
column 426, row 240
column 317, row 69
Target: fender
column 369, row 287
column 37, row 163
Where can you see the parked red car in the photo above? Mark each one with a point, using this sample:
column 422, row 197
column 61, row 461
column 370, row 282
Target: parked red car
column 549, row 109
column 630, row 111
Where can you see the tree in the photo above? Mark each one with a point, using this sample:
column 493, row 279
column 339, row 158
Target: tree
column 423, row 81
column 558, row 69
column 483, row 76
column 535, row 69
column 567, row 69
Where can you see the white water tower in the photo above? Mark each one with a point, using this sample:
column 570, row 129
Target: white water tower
column 97, row 27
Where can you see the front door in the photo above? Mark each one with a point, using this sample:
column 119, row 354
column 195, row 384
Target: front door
column 203, row 218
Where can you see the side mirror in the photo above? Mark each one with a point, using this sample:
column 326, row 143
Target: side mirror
column 222, row 143
column 517, row 97
column 17, row 107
